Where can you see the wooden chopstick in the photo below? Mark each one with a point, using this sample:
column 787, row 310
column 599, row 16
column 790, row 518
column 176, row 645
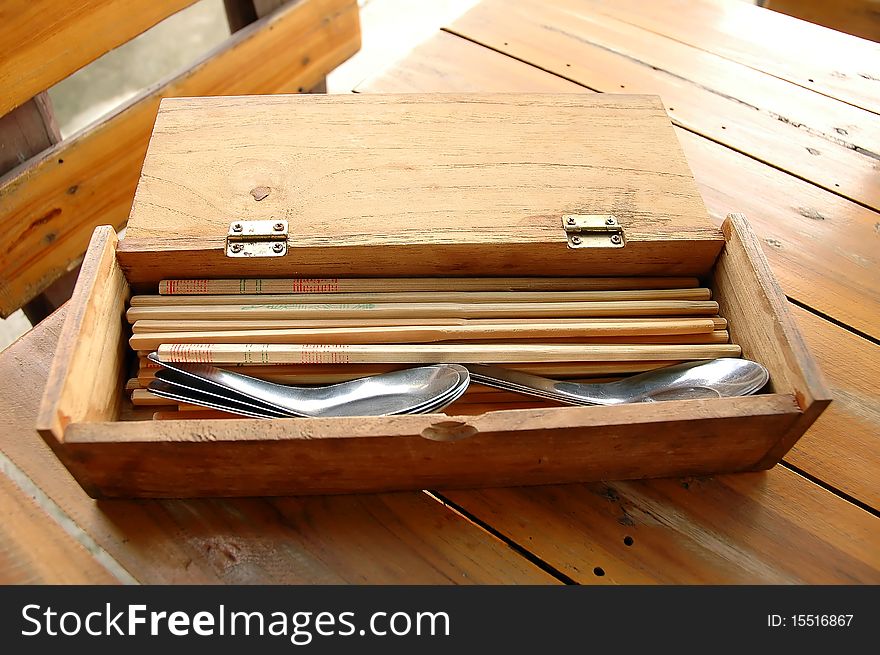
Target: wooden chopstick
column 172, row 325
column 426, row 296
column 429, row 353
column 424, row 334
column 623, row 308
column 336, row 285
column 717, row 336
column 146, row 343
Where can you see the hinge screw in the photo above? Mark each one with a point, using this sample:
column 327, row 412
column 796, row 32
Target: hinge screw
column 615, row 238
column 609, row 220
column 237, row 247
column 570, row 220
column 279, row 227
column 575, row 239
column 237, row 227
column 278, row 247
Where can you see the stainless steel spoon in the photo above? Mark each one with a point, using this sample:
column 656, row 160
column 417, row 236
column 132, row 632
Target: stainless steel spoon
column 715, row 378
column 415, row 390
column 182, row 388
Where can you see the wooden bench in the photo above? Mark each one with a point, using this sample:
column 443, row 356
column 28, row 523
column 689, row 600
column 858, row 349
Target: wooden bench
column 54, row 191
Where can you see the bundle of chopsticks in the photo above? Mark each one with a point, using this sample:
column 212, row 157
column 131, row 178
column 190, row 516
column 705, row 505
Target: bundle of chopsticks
column 322, row 331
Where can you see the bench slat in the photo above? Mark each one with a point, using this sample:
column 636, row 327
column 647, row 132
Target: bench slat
column 44, row 41
column 52, row 204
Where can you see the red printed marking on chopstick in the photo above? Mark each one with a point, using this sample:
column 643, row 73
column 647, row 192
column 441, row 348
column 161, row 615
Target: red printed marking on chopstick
column 315, row 285
column 189, row 353
column 324, row 354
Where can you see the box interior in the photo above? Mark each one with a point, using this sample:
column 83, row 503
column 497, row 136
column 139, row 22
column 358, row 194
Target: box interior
column 122, row 410
column 116, row 450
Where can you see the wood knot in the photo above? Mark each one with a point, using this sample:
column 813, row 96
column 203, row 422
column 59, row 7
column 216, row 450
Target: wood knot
column 260, row 192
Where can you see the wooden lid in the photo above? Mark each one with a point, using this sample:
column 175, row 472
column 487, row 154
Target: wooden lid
column 424, row 185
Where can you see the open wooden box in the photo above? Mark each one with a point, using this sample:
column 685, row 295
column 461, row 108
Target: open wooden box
column 384, row 186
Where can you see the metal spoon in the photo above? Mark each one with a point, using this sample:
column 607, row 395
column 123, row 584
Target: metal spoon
column 416, row 390
column 234, row 405
column 182, row 388
column 704, row 379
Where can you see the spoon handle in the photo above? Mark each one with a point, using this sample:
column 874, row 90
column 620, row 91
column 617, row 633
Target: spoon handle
column 533, row 385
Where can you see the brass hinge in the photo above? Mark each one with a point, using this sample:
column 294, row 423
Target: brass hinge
column 593, row 231
column 257, row 239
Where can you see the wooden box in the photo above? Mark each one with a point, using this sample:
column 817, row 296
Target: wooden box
column 418, row 185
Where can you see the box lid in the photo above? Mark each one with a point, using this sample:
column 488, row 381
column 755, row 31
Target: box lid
column 420, row 185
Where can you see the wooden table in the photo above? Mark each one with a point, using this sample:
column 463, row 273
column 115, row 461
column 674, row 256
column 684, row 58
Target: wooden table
column 779, row 120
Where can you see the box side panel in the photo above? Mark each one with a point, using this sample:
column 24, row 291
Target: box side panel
column 759, row 321
column 148, row 262
column 517, row 447
column 87, row 373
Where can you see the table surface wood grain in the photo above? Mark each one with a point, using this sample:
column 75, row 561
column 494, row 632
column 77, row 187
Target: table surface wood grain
column 780, row 121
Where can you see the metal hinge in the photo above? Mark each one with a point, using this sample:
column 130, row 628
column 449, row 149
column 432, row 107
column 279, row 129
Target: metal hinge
column 593, row 231
column 257, row 239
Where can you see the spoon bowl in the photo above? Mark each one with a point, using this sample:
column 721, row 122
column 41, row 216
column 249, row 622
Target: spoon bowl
column 717, row 378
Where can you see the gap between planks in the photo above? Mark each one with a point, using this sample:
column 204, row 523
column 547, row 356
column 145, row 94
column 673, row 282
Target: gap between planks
column 486, row 528
column 831, row 319
column 809, row 477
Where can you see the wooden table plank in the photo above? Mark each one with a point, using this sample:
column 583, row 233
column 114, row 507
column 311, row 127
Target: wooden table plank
column 389, row 538
column 817, row 58
column 34, row 549
column 772, row 527
column 608, row 55
column 842, row 448
column 853, row 127
column 824, row 249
